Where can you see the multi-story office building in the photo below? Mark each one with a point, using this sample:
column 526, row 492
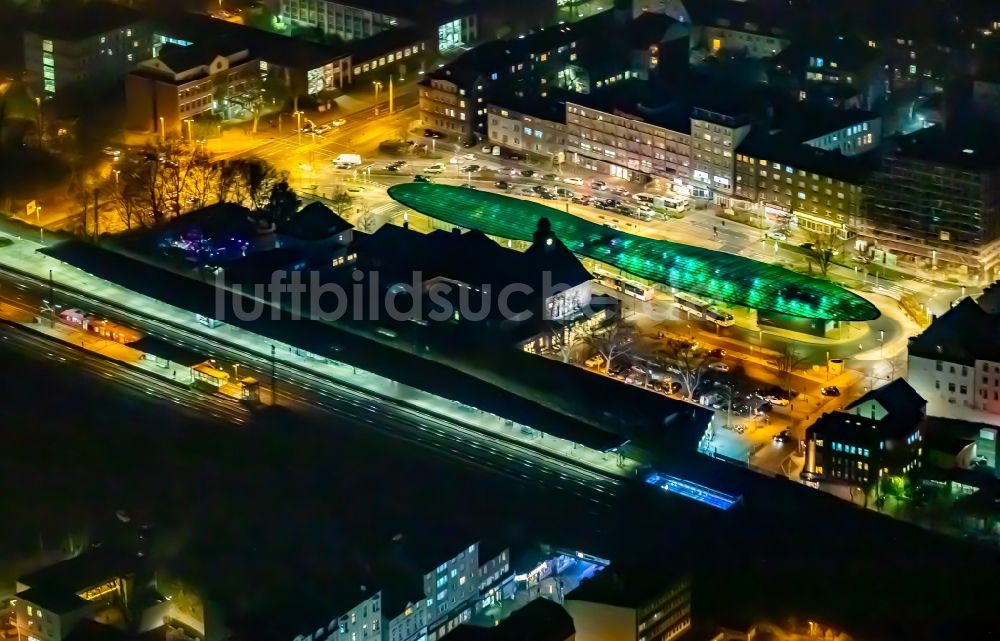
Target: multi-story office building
column 619, row 605
column 714, row 139
column 878, row 435
column 185, row 82
column 347, row 20
column 815, row 190
column 935, row 203
column 95, row 44
column 449, row 101
column 536, row 128
column 604, row 135
column 841, row 71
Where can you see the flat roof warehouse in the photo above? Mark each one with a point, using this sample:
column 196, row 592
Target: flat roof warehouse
column 724, row 277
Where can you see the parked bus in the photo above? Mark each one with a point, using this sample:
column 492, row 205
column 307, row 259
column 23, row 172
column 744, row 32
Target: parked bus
column 701, row 308
column 675, row 203
column 624, row 285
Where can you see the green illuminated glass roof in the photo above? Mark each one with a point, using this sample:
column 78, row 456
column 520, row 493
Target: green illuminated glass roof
column 718, row 275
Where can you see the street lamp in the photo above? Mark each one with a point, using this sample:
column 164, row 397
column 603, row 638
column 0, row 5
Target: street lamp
column 116, row 172
column 378, row 87
column 163, row 132
column 190, row 137
column 881, row 343
column 298, row 125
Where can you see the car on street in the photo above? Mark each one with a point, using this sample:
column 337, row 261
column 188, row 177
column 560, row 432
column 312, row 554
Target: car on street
column 488, row 149
column 420, row 178
column 978, row 461
column 808, row 246
column 831, row 390
column 782, row 437
column 430, row 133
column 600, row 185
column 547, row 195
column 538, row 189
column 645, row 212
column 527, row 191
column 454, row 160
column 436, row 168
column 562, row 192
column 550, row 177
column 573, row 180
column 719, row 367
column 619, row 192
column 322, row 129
column 582, row 200
column 777, row 235
column 470, row 169
column 626, row 210
column 468, row 144
column 864, row 260
column 112, row 152
column 469, row 156
column 527, row 173
column 776, row 400
column 718, row 352
column 399, row 163
column 502, row 184
column 339, row 122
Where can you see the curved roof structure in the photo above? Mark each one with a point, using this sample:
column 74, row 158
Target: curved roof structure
column 717, row 275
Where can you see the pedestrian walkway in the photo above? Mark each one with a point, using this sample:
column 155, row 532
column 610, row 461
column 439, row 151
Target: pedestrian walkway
column 22, row 255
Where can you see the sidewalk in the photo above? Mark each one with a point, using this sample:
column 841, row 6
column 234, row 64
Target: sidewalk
column 22, row 255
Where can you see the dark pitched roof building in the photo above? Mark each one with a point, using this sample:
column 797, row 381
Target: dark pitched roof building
column 314, row 222
column 961, row 335
column 539, row 620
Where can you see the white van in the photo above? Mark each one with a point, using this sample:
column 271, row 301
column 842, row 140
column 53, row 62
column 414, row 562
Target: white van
column 436, row 168
column 352, row 160
column 676, row 203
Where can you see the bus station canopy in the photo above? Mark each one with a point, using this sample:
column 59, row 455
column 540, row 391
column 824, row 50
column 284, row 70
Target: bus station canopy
column 716, row 275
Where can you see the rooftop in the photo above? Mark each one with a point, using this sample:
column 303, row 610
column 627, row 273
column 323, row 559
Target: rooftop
column 896, row 401
column 628, row 585
column 85, row 570
column 315, row 221
column 717, row 275
column 961, row 335
column 789, row 150
column 87, row 20
column 968, row 147
column 53, row 600
column 180, row 59
column 539, row 620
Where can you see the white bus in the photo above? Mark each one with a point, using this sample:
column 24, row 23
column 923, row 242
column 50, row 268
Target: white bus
column 624, row 285
column 676, row 203
column 701, row 308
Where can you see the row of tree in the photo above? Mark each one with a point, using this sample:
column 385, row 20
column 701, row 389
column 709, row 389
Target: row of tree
column 160, row 182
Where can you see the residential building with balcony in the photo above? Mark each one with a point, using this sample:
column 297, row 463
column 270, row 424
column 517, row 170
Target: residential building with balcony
column 183, row 83
column 935, row 203
column 94, row 45
column 715, row 135
column 835, row 71
column 728, row 28
column 877, row 436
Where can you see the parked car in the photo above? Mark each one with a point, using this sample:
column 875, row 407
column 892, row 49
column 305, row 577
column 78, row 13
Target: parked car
column 420, row 178
column 581, row 200
column 550, row 177
column 777, row 235
column 718, row 352
column 538, row 189
column 599, row 185
column 718, row 366
column 619, row 191
column 436, row 168
column 339, row 122
column 562, row 192
column 573, row 180
column 470, row 169
column 831, row 390
column 469, row 156
column 776, row 400
column 527, row 173
column 112, row 152
column 322, row 129
column 469, row 144
column 782, row 437
column 502, row 184
column 864, row 260
column 547, row 195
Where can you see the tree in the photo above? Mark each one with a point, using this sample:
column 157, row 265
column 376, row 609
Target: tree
column 785, row 364
column 227, row 182
column 258, row 178
column 281, row 205
column 821, row 250
column 340, row 202
column 686, row 360
column 269, row 92
column 125, row 194
column 366, row 219
column 612, row 340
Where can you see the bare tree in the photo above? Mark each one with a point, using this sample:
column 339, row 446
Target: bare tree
column 821, row 250
column 227, row 182
column 686, row 360
column 204, row 176
column 125, row 194
column 785, row 364
column 340, row 202
column 259, row 178
column 611, row 341
column 366, row 219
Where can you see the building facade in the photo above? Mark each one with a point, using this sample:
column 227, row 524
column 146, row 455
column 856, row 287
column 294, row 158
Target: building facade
column 818, row 193
column 183, row 83
column 880, row 435
column 529, row 135
column 447, row 106
column 935, row 204
column 625, row 146
column 714, row 139
column 345, row 21
column 604, row 611
column 96, row 46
